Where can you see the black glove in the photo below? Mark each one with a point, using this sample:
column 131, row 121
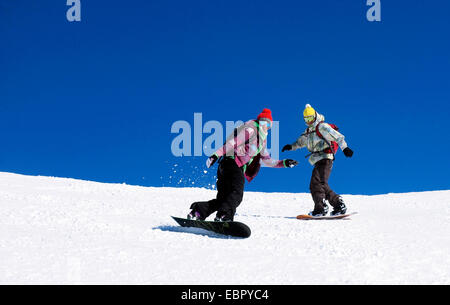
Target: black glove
column 287, row 147
column 290, row 163
column 348, row 152
column 211, row 160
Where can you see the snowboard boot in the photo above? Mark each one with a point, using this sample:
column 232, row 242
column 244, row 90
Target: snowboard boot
column 339, row 208
column 320, row 210
column 194, row 215
column 223, row 218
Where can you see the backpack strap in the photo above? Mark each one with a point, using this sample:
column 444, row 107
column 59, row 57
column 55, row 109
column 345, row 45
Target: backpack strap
column 323, row 138
column 258, row 149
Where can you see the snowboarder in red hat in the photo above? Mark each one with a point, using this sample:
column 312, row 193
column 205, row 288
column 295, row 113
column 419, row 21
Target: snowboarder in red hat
column 239, row 159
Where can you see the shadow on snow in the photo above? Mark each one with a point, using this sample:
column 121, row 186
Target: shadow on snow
column 196, row 231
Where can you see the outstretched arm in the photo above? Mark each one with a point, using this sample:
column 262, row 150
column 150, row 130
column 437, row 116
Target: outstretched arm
column 331, row 134
column 268, row 161
column 300, row 143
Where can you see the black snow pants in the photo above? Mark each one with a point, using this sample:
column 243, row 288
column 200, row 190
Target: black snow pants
column 230, row 191
column 319, row 187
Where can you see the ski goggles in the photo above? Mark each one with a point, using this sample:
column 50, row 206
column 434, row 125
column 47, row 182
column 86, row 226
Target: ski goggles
column 265, row 123
column 310, row 119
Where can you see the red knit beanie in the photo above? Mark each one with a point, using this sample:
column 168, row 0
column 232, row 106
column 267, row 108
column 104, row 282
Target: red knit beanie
column 265, row 114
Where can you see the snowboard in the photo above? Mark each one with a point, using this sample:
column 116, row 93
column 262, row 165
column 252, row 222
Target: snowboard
column 231, row 228
column 308, row 217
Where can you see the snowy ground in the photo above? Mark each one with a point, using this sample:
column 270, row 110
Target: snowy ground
column 64, row 231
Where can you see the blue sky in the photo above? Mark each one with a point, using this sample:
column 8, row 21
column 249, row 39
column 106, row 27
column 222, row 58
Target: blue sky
column 96, row 99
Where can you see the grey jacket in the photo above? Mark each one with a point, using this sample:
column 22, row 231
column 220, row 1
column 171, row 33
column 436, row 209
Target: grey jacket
column 315, row 144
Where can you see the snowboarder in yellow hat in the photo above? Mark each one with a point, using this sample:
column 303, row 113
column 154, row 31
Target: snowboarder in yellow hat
column 322, row 140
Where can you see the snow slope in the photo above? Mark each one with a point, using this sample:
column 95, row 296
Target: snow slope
column 65, row 231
